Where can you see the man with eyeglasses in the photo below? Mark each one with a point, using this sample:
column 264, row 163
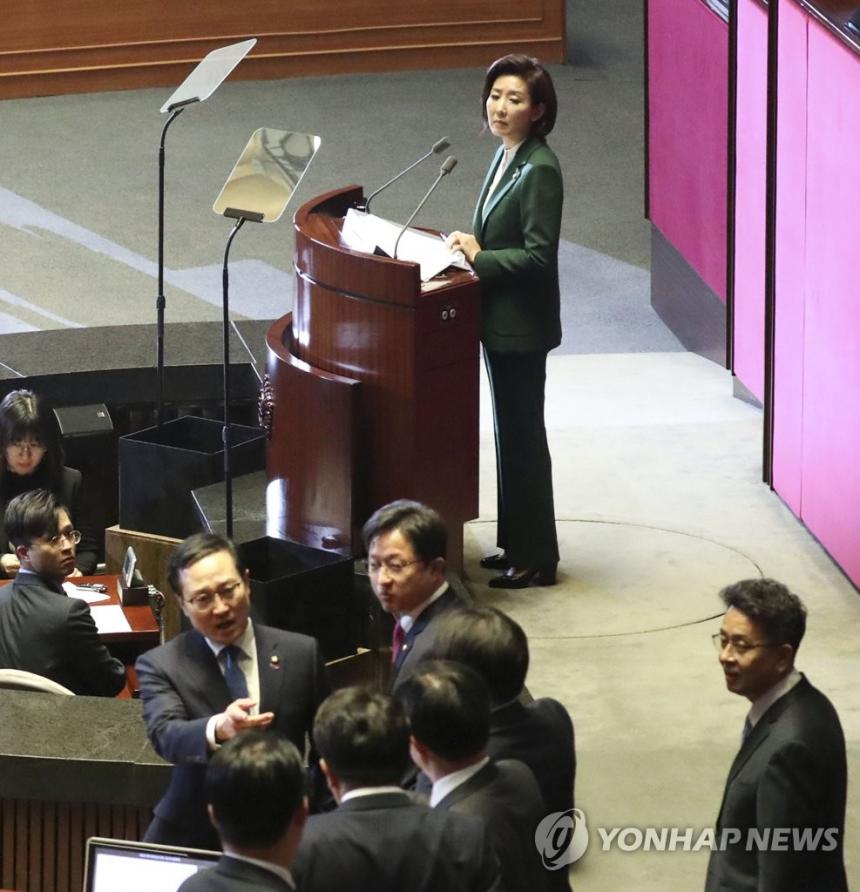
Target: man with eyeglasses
column 782, row 818
column 42, row 629
column 406, row 544
column 224, row 676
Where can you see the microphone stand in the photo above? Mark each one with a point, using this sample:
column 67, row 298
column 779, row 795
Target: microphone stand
column 225, row 434
column 437, row 147
column 449, row 164
column 160, row 301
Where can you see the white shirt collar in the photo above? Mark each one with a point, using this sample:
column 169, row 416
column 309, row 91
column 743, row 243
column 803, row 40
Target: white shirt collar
column 276, row 869
column 245, row 642
column 370, row 791
column 513, row 150
column 764, row 703
column 450, row 782
column 407, row 620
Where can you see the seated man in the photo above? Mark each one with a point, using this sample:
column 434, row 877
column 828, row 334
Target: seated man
column 42, row 629
column 448, row 707
column 378, row 838
column 539, row 733
column 255, row 796
column 406, row 544
column 224, row 676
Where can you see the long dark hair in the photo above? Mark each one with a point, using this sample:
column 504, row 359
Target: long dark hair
column 23, row 415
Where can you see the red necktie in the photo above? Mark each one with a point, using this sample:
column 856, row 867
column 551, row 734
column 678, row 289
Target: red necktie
column 396, row 642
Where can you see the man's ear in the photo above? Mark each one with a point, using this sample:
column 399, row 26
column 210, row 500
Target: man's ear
column 438, row 565
column 785, row 653
column 211, row 812
column 417, row 751
column 301, row 816
column 21, row 552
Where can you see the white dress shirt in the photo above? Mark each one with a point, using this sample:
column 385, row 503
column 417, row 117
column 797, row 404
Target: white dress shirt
column 247, row 659
column 450, row 782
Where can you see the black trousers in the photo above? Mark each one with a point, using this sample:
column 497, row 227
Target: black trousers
column 526, row 525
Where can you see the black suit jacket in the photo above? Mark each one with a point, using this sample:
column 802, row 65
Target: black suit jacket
column 790, row 773
column 181, row 686
column 43, row 630
column 540, row 735
column 231, row 874
column 505, row 796
column 387, row 843
column 419, row 641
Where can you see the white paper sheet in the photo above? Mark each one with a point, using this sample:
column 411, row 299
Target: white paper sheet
column 110, row 618
column 85, row 594
column 366, row 232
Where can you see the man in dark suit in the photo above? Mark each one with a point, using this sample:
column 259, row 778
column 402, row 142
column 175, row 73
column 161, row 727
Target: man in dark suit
column 42, row 629
column 448, row 707
column 539, row 733
column 782, row 818
column 224, row 676
column 406, row 544
column 378, row 838
column 255, row 797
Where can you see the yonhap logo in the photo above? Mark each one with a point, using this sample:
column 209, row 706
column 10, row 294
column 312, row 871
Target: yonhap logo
column 561, row 838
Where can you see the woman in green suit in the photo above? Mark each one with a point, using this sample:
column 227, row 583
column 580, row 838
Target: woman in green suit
column 514, row 251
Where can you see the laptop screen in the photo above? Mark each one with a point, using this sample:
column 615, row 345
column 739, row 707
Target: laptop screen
column 137, row 866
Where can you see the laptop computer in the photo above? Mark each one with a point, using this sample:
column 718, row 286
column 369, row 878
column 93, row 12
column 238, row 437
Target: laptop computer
column 119, row 864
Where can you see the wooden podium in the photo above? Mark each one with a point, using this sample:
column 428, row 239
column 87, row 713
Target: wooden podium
column 372, row 389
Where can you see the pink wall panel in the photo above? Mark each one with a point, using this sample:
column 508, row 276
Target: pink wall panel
column 688, row 129
column 750, row 195
column 790, row 254
column 831, row 372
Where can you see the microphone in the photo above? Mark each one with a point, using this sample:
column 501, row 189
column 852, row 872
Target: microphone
column 447, row 166
column 436, row 149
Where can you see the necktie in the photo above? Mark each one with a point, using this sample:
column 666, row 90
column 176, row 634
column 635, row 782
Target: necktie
column 747, row 730
column 396, row 642
column 233, row 674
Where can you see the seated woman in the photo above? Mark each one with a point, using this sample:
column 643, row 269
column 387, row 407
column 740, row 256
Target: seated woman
column 31, row 457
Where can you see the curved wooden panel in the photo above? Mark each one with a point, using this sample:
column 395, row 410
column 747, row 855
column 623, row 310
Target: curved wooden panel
column 81, row 45
column 311, row 459
column 367, row 319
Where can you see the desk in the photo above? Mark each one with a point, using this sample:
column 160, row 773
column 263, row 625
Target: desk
column 127, row 646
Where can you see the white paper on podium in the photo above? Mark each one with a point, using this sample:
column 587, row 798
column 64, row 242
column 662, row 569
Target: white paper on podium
column 110, row 618
column 367, row 232
column 84, row 594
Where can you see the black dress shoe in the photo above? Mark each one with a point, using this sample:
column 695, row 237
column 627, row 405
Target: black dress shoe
column 495, row 562
column 516, row 578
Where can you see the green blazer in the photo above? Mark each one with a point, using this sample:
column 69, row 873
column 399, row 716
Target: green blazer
column 518, row 260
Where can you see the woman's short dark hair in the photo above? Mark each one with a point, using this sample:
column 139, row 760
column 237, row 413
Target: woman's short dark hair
column 537, row 79
column 24, row 415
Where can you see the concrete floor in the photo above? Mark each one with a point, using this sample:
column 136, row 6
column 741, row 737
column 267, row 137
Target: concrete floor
column 659, row 504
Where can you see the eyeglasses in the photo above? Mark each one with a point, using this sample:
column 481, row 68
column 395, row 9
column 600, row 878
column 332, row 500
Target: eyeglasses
column 393, row 567
column 739, row 646
column 206, row 600
column 22, row 446
column 72, row 536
